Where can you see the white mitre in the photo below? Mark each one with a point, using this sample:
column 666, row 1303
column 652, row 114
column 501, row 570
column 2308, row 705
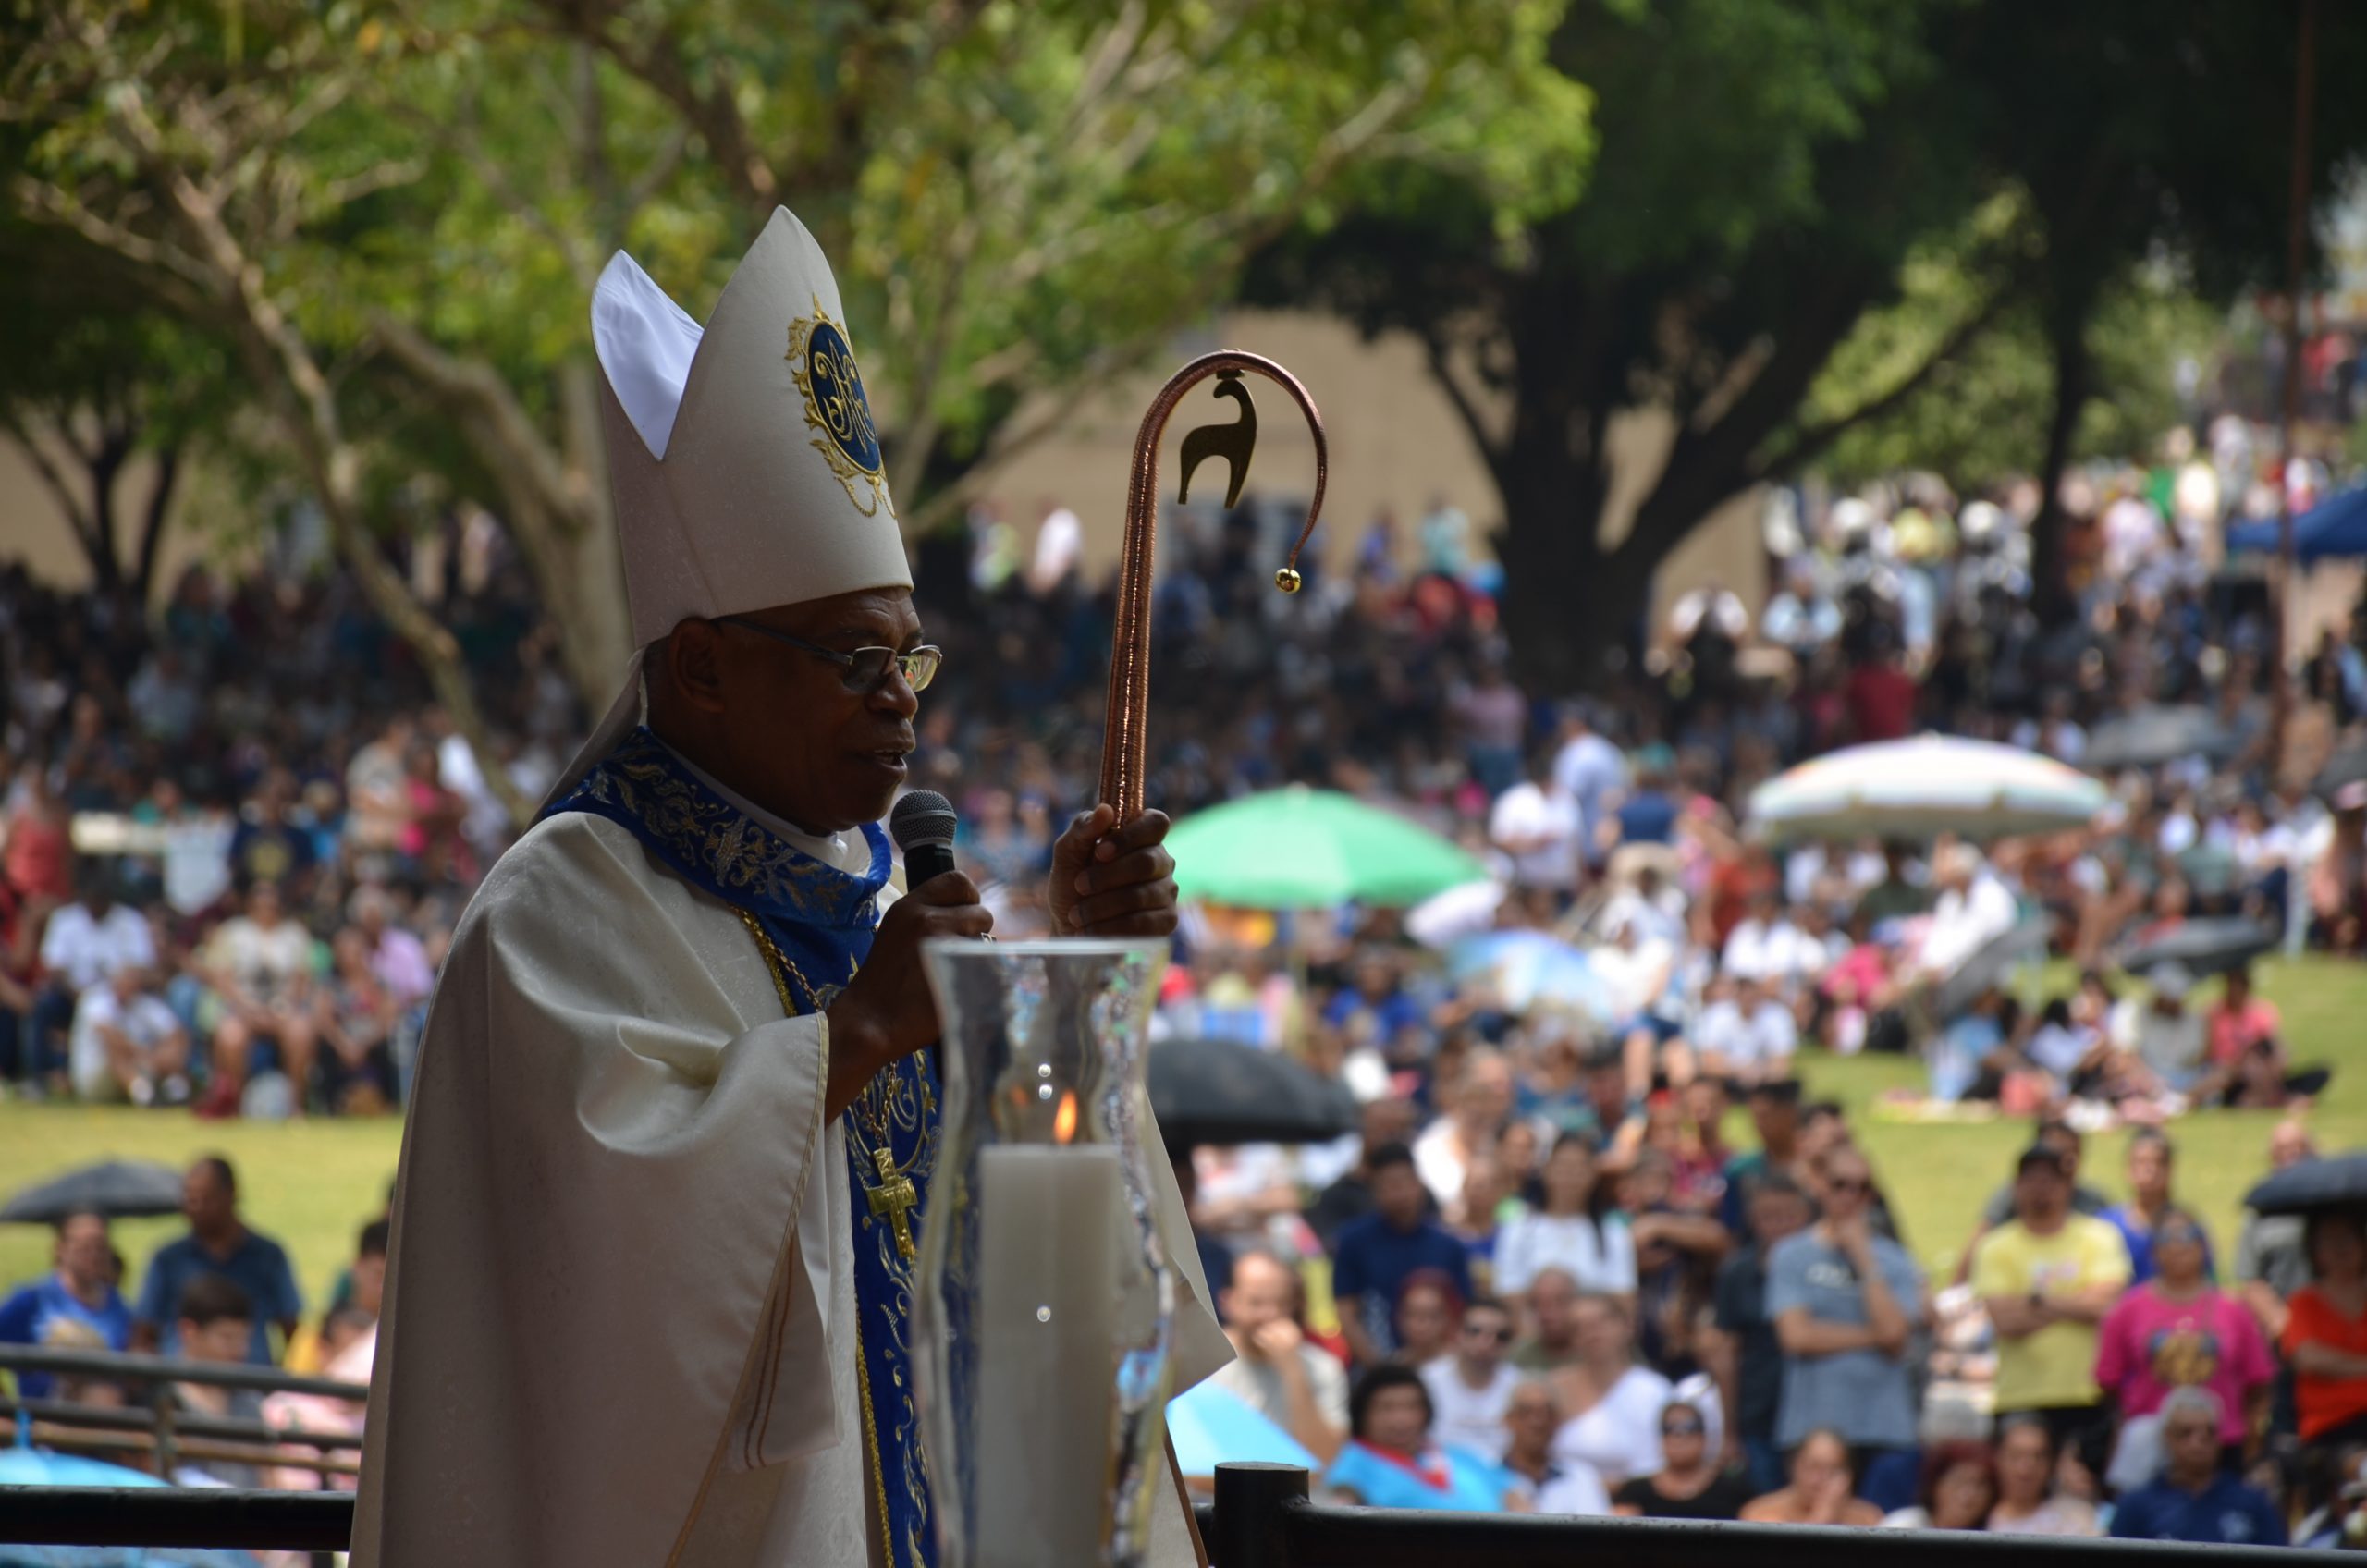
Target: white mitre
column 742, row 457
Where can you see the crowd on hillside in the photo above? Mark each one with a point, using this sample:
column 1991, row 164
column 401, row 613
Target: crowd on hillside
column 238, row 832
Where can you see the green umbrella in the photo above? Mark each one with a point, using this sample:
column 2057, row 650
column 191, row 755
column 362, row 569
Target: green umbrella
column 1312, row 849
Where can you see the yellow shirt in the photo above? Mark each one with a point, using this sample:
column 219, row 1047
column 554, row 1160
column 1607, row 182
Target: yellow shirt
column 2057, row 1365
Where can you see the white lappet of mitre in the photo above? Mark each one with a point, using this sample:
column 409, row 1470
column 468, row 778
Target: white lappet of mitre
column 744, row 465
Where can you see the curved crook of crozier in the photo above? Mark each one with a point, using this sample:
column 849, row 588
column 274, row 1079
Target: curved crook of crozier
column 1125, row 726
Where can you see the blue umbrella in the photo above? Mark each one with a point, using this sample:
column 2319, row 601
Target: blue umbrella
column 2335, row 526
column 1211, row 1426
column 1528, row 969
column 24, row 1465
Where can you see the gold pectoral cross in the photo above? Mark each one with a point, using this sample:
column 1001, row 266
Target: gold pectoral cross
column 896, row 1197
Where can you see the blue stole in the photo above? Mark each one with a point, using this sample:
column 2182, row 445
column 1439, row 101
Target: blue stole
column 822, row 921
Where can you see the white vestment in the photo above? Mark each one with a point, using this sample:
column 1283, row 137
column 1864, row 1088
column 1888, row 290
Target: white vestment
column 619, row 1321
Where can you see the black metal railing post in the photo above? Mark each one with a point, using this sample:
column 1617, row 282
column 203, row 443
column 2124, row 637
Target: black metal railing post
column 1253, row 1503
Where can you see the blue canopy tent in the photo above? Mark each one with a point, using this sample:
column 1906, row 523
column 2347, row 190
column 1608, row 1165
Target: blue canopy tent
column 2335, row 527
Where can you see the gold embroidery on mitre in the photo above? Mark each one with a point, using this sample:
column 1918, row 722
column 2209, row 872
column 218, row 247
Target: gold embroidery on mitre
column 822, row 363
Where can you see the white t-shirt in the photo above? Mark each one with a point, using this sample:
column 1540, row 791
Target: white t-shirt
column 1575, row 1491
column 146, row 1018
column 1751, row 1045
column 1259, row 1386
column 1468, row 1418
column 82, row 951
column 1599, row 1256
column 1538, row 828
column 1620, row 1438
column 267, row 964
column 1774, row 950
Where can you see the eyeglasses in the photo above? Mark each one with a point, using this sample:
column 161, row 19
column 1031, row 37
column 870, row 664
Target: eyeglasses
column 866, row 668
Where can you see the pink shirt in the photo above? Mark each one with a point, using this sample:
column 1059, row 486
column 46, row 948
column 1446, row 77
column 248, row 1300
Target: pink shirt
column 2233, row 1029
column 2148, row 1346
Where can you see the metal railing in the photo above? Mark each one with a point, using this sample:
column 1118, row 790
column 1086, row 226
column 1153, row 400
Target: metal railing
column 1262, row 1519
column 160, row 1429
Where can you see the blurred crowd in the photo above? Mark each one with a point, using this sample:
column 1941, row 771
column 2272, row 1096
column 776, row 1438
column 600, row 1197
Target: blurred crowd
column 239, row 830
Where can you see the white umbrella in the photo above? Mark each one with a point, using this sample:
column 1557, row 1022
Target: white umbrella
column 1465, row 910
column 1919, row 788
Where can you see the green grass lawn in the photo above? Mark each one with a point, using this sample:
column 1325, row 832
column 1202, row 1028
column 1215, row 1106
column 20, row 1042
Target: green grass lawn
column 314, row 1184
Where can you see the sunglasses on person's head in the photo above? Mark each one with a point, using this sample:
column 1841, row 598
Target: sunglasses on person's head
column 863, row 669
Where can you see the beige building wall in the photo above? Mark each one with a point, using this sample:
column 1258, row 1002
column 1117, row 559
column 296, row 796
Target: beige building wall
column 33, row 529
column 1395, row 444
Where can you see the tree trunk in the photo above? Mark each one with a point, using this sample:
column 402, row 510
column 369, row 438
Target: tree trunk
column 1565, row 606
column 151, row 521
column 2066, row 326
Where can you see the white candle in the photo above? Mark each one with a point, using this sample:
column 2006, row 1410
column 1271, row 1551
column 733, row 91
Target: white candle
column 1048, row 1227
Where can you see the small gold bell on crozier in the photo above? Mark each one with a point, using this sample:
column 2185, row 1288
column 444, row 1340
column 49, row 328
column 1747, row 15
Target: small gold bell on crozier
column 1287, row 579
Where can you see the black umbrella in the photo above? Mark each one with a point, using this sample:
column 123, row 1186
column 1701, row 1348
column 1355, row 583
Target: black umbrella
column 116, row 1188
column 2336, row 1183
column 1989, row 965
column 2149, row 737
column 2212, row 945
column 1224, row 1091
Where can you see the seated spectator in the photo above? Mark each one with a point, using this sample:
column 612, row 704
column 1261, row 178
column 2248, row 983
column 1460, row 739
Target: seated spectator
column 128, row 1044
column 1429, row 1308
column 260, row 966
column 82, row 945
column 2027, row 1503
column 1275, row 1372
column 2325, row 1335
column 1375, row 1255
column 356, row 1015
column 2161, row 1039
column 2239, row 1021
column 1959, row 1489
column 1574, row 1230
column 1613, row 1405
column 2195, row 1499
column 1390, row 1460
column 1471, row 1386
column 215, row 1321
column 356, row 1298
column 1689, row 1483
column 2177, row 1332
column 1820, row 1490
column 1542, row 1485
column 218, row 1243
column 2047, row 1278
column 1552, row 1338
column 77, row 1302
column 1746, row 1035
column 2070, row 1053
column 1846, row 1303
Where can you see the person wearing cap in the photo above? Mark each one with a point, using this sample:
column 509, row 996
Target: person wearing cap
column 2047, row 1278
column 650, row 1286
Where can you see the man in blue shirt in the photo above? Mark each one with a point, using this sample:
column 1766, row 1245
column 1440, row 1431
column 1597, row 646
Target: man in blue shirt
column 1375, row 1255
column 218, row 1243
column 2193, row 1499
column 77, row 1307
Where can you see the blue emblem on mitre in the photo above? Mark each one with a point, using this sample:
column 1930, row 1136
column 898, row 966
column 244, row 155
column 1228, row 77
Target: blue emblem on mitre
column 836, row 409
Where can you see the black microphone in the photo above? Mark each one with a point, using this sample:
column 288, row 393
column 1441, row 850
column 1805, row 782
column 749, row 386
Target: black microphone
column 923, row 826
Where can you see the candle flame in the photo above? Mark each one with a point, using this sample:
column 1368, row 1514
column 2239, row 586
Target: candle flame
column 1064, row 1119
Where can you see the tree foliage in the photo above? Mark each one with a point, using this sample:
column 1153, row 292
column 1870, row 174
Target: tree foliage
column 394, row 213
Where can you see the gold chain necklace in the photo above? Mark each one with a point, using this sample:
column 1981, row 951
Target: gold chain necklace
column 893, row 1196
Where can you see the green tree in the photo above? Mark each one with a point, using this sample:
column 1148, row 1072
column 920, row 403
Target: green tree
column 395, row 213
column 1763, row 166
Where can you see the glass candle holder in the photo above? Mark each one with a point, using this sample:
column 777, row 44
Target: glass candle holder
column 1047, row 1301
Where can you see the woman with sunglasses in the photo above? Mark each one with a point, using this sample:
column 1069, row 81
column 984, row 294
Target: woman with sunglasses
column 1688, row 1484
column 1390, row 1460
column 2176, row 1330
